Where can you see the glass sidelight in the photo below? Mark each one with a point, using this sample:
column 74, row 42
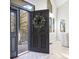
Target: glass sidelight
column 13, row 32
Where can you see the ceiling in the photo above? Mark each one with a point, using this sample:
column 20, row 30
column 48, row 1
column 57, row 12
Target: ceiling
column 59, row 2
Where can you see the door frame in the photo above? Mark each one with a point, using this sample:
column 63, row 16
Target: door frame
column 17, row 7
column 17, row 19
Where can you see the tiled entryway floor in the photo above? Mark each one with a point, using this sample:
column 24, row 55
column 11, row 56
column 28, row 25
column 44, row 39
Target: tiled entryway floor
column 23, row 47
column 57, row 51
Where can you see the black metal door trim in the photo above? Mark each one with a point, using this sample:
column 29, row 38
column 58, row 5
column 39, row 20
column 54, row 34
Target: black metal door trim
column 14, row 9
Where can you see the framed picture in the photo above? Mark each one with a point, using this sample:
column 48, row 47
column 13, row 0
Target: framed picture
column 53, row 25
column 50, row 24
column 62, row 26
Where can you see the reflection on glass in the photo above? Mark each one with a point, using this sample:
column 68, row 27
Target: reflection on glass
column 13, row 22
column 23, row 42
column 13, row 32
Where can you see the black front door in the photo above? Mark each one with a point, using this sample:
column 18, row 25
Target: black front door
column 39, row 41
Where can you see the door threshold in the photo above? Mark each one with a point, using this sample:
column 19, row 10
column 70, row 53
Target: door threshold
column 23, row 53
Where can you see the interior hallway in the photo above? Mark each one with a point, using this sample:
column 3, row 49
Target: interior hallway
column 57, row 51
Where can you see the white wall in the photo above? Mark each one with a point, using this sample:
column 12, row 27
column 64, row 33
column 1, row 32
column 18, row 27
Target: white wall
column 54, row 11
column 39, row 4
column 63, row 13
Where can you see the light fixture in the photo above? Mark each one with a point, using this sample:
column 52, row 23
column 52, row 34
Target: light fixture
column 29, row 7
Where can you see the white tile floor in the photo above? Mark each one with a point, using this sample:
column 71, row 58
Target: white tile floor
column 57, row 51
column 23, row 47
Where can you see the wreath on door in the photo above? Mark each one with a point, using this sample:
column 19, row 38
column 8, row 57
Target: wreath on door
column 39, row 21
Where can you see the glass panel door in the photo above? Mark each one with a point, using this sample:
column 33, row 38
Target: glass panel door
column 13, row 33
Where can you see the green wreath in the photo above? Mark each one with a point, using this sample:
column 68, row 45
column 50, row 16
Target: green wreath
column 38, row 21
